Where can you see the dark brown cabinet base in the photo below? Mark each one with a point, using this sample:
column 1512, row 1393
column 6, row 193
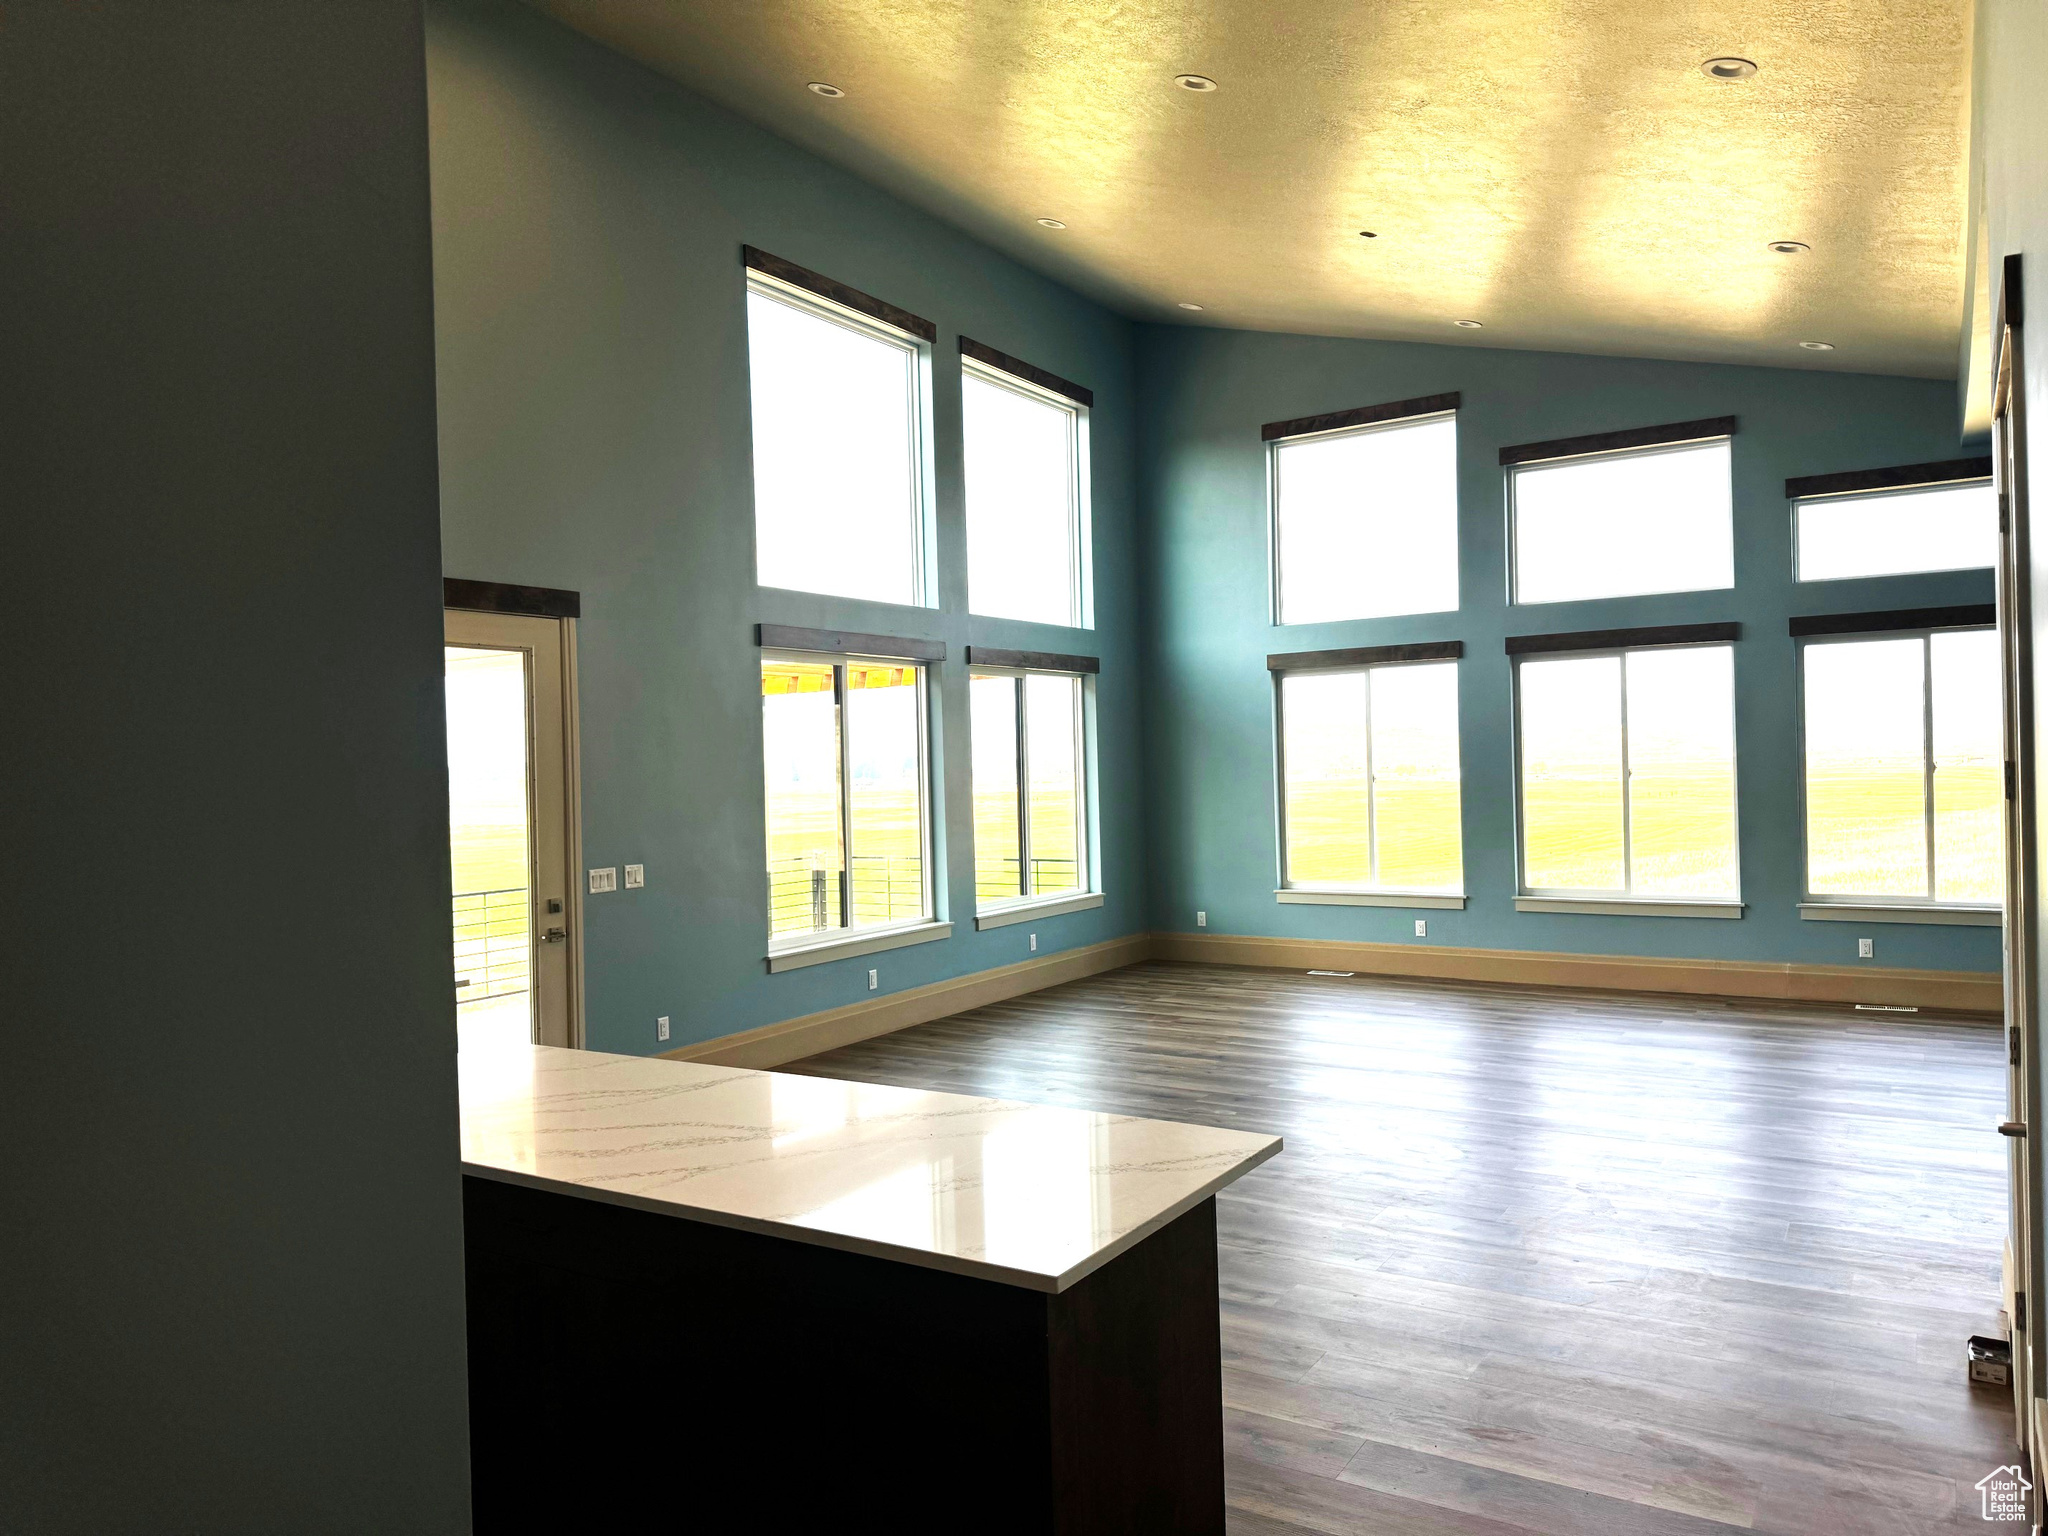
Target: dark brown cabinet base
column 639, row 1372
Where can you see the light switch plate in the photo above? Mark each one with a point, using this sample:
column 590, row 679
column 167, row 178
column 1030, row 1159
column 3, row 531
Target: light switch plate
column 1421, row 928
column 1866, row 949
column 661, row 1027
column 603, row 880
column 636, row 876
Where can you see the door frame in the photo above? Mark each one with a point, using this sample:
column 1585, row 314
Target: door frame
column 562, row 609
column 2022, row 882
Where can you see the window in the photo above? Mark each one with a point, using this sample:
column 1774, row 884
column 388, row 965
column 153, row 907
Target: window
column 1924, row 528
column 1025, row 530
column 1619, row 524
column 1628, row 774
column 1369, row 776
column 1030, row 786
column 838, row 455
column 848, row 825
column 1904, row 768
column 1365, row 521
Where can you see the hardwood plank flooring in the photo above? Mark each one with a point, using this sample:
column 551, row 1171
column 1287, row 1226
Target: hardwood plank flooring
column 1569, row 1263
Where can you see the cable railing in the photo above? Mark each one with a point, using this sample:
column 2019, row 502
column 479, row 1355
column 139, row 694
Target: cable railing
column 493, row 949
column 1049, row 877
column 804, row 894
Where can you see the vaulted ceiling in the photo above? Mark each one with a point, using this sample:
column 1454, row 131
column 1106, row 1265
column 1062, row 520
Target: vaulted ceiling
column 1561, row 171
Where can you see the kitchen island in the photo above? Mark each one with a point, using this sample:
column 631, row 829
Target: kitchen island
column 709, row 1299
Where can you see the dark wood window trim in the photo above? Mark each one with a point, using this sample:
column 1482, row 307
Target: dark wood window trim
column 1901, row 477
column 1365, row 656
column 1360, row 416
column 1958, row 616
column 849, row 298
column 1031, row 661
column 847, row 642
column 505, row 597
column 1666, row 436
column 1624, row 639
column 1017, row 368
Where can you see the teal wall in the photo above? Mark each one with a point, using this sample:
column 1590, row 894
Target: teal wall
column 588, row 218
column 1209, row 700
column 594, row 435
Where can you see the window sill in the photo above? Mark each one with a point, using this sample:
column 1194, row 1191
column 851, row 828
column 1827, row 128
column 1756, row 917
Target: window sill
column 868, row 942
column 1028, row 911
column 1628, row 906
column 1886, row 912
column 1435, row 901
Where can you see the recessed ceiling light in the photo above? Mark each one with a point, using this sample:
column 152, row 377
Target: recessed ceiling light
column 1790, row 247
column 1818, row 346
column 1728, row 69
column 1054, row 223
column 820, row 88
column 1470, row 325
column 1194, row 82
column 1186, row 305
column 1367, row 234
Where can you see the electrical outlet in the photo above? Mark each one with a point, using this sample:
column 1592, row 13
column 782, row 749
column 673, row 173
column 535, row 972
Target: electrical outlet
column 636, row 876
column 1866, row 949
column 603, row 880
column 661, row 1027
column 874, row 980
column 1201, row 919
column 1421, row 928
column 1034, row 943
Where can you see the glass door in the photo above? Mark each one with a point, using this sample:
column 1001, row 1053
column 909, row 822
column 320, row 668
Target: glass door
column 508, row 823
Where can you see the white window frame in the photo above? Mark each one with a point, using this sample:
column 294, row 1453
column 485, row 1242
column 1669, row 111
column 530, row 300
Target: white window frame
column 1928, row 908
column 1002, row 912
column 1372, row 894
column 1080, row 515
column 1273, row 448
column 793, row 951
column 1514, row 550
column 1626, row 901
column 923, row 588
column 1886, row 493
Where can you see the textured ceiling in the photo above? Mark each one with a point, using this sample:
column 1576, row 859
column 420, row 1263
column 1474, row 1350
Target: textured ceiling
column 1557, row 169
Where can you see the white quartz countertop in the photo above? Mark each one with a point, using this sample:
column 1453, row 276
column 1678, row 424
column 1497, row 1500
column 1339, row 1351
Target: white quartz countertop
column 1026, row 1194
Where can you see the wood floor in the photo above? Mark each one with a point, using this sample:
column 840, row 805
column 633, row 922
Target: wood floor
column 1541, row 1261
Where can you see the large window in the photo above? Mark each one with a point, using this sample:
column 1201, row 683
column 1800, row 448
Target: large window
column 1904, row 768
column 1620, row 524
column 1369, row 775
column 838, row 456
column 1365, row 521
column 1926, row 528
column 1030, row 786
column 1026, row 550
column 848, row 825
column 1628, row 774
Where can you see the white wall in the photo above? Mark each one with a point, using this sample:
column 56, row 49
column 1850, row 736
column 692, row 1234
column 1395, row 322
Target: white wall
column 2012, row 142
